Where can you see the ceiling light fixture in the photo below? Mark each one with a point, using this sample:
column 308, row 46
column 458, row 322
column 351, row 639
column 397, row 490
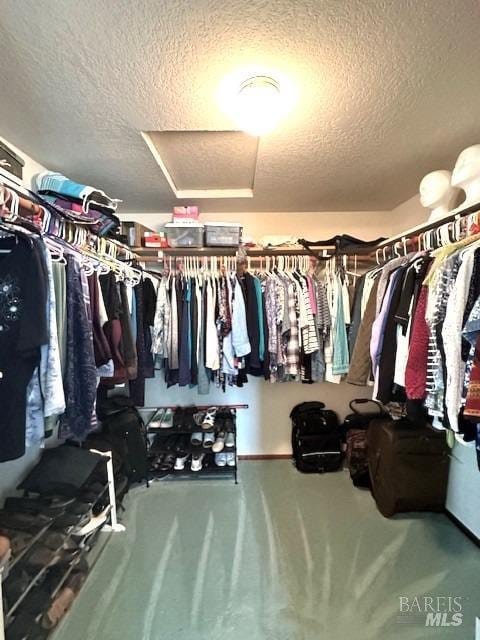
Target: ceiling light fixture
column 259, row 105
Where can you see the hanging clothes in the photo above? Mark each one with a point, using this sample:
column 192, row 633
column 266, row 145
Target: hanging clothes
column 80, row 382
column 23, row 331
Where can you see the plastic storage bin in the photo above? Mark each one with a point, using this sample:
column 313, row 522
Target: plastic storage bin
column 184, row 234
column 223, row 234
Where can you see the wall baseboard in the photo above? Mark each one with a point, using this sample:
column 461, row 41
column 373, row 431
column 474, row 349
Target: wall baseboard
column 266, row 456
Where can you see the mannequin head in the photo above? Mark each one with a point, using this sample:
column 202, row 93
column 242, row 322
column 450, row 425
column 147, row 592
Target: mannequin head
column 434, row 188
column 467, row 167
column 437, row 193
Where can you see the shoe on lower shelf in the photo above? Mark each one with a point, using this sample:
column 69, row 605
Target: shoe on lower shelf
column 197, row 439
column 58, row 608
column 230, row 440
column 221, row 459
column 197, row 461
column 156, row 421
column 5, row 551
column 219, row 443
column 183, row 445
column 167, row 419
column 180, row 463
column 209, row 419
column 231, row 459
column 94, row 523
column 208, row 440
column 168, row 462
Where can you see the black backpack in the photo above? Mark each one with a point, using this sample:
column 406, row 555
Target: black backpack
column 121, row 419
column 316, row 438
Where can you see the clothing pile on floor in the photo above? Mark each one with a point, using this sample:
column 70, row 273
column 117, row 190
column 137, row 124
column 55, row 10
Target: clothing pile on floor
column 192, row 439
column 46, row 534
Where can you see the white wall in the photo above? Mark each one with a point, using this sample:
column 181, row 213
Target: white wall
column 463, row 497
column 367, row 225
column 408, row 214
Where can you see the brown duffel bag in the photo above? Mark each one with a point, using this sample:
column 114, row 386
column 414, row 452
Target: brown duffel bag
column 408, row 466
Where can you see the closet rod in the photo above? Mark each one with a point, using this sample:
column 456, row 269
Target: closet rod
column 427, row 226
column 156, row 254
column 369, row 250
column 200, row 407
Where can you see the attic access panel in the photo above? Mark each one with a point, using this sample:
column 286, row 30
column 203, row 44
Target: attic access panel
column 206, row 164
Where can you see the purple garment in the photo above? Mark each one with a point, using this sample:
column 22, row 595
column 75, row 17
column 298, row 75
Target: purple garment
column 378, row 329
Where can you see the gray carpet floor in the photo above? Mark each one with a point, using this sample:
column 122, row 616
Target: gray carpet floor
column 281, row 556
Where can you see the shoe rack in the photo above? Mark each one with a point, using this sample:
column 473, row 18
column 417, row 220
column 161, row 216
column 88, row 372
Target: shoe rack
column 209, row 468
column 84, row 543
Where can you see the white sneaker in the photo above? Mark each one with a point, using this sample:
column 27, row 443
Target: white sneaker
column 208, row 439
column 167, row 419
column 197, row 439
column 219, row 442
column 197, row 460
column 230, row 441
column 180, row 463
column 231, row 459
column 221, row 459
column 209, row 419
column 156, row 421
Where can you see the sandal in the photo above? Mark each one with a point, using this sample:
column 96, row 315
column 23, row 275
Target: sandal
column 209, row 419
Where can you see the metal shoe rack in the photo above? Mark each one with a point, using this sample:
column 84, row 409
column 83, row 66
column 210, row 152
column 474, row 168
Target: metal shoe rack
column 84, row 545
column 209, row 469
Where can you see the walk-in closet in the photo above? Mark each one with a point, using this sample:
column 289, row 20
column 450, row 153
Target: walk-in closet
column 239, row 320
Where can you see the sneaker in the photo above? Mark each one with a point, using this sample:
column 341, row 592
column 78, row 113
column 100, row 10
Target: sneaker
column 231, row 459
column 197, row 439
column 198, row 418
column 219, row 442
column 197, row 460
column 230, row 441
column 209, row 419
column 180, row 463
column 156, row 420
column 167, row 419
column 221, row 459
column 208, row 440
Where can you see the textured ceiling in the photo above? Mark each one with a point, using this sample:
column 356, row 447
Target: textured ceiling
column 387, row 91
column 207, row 159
